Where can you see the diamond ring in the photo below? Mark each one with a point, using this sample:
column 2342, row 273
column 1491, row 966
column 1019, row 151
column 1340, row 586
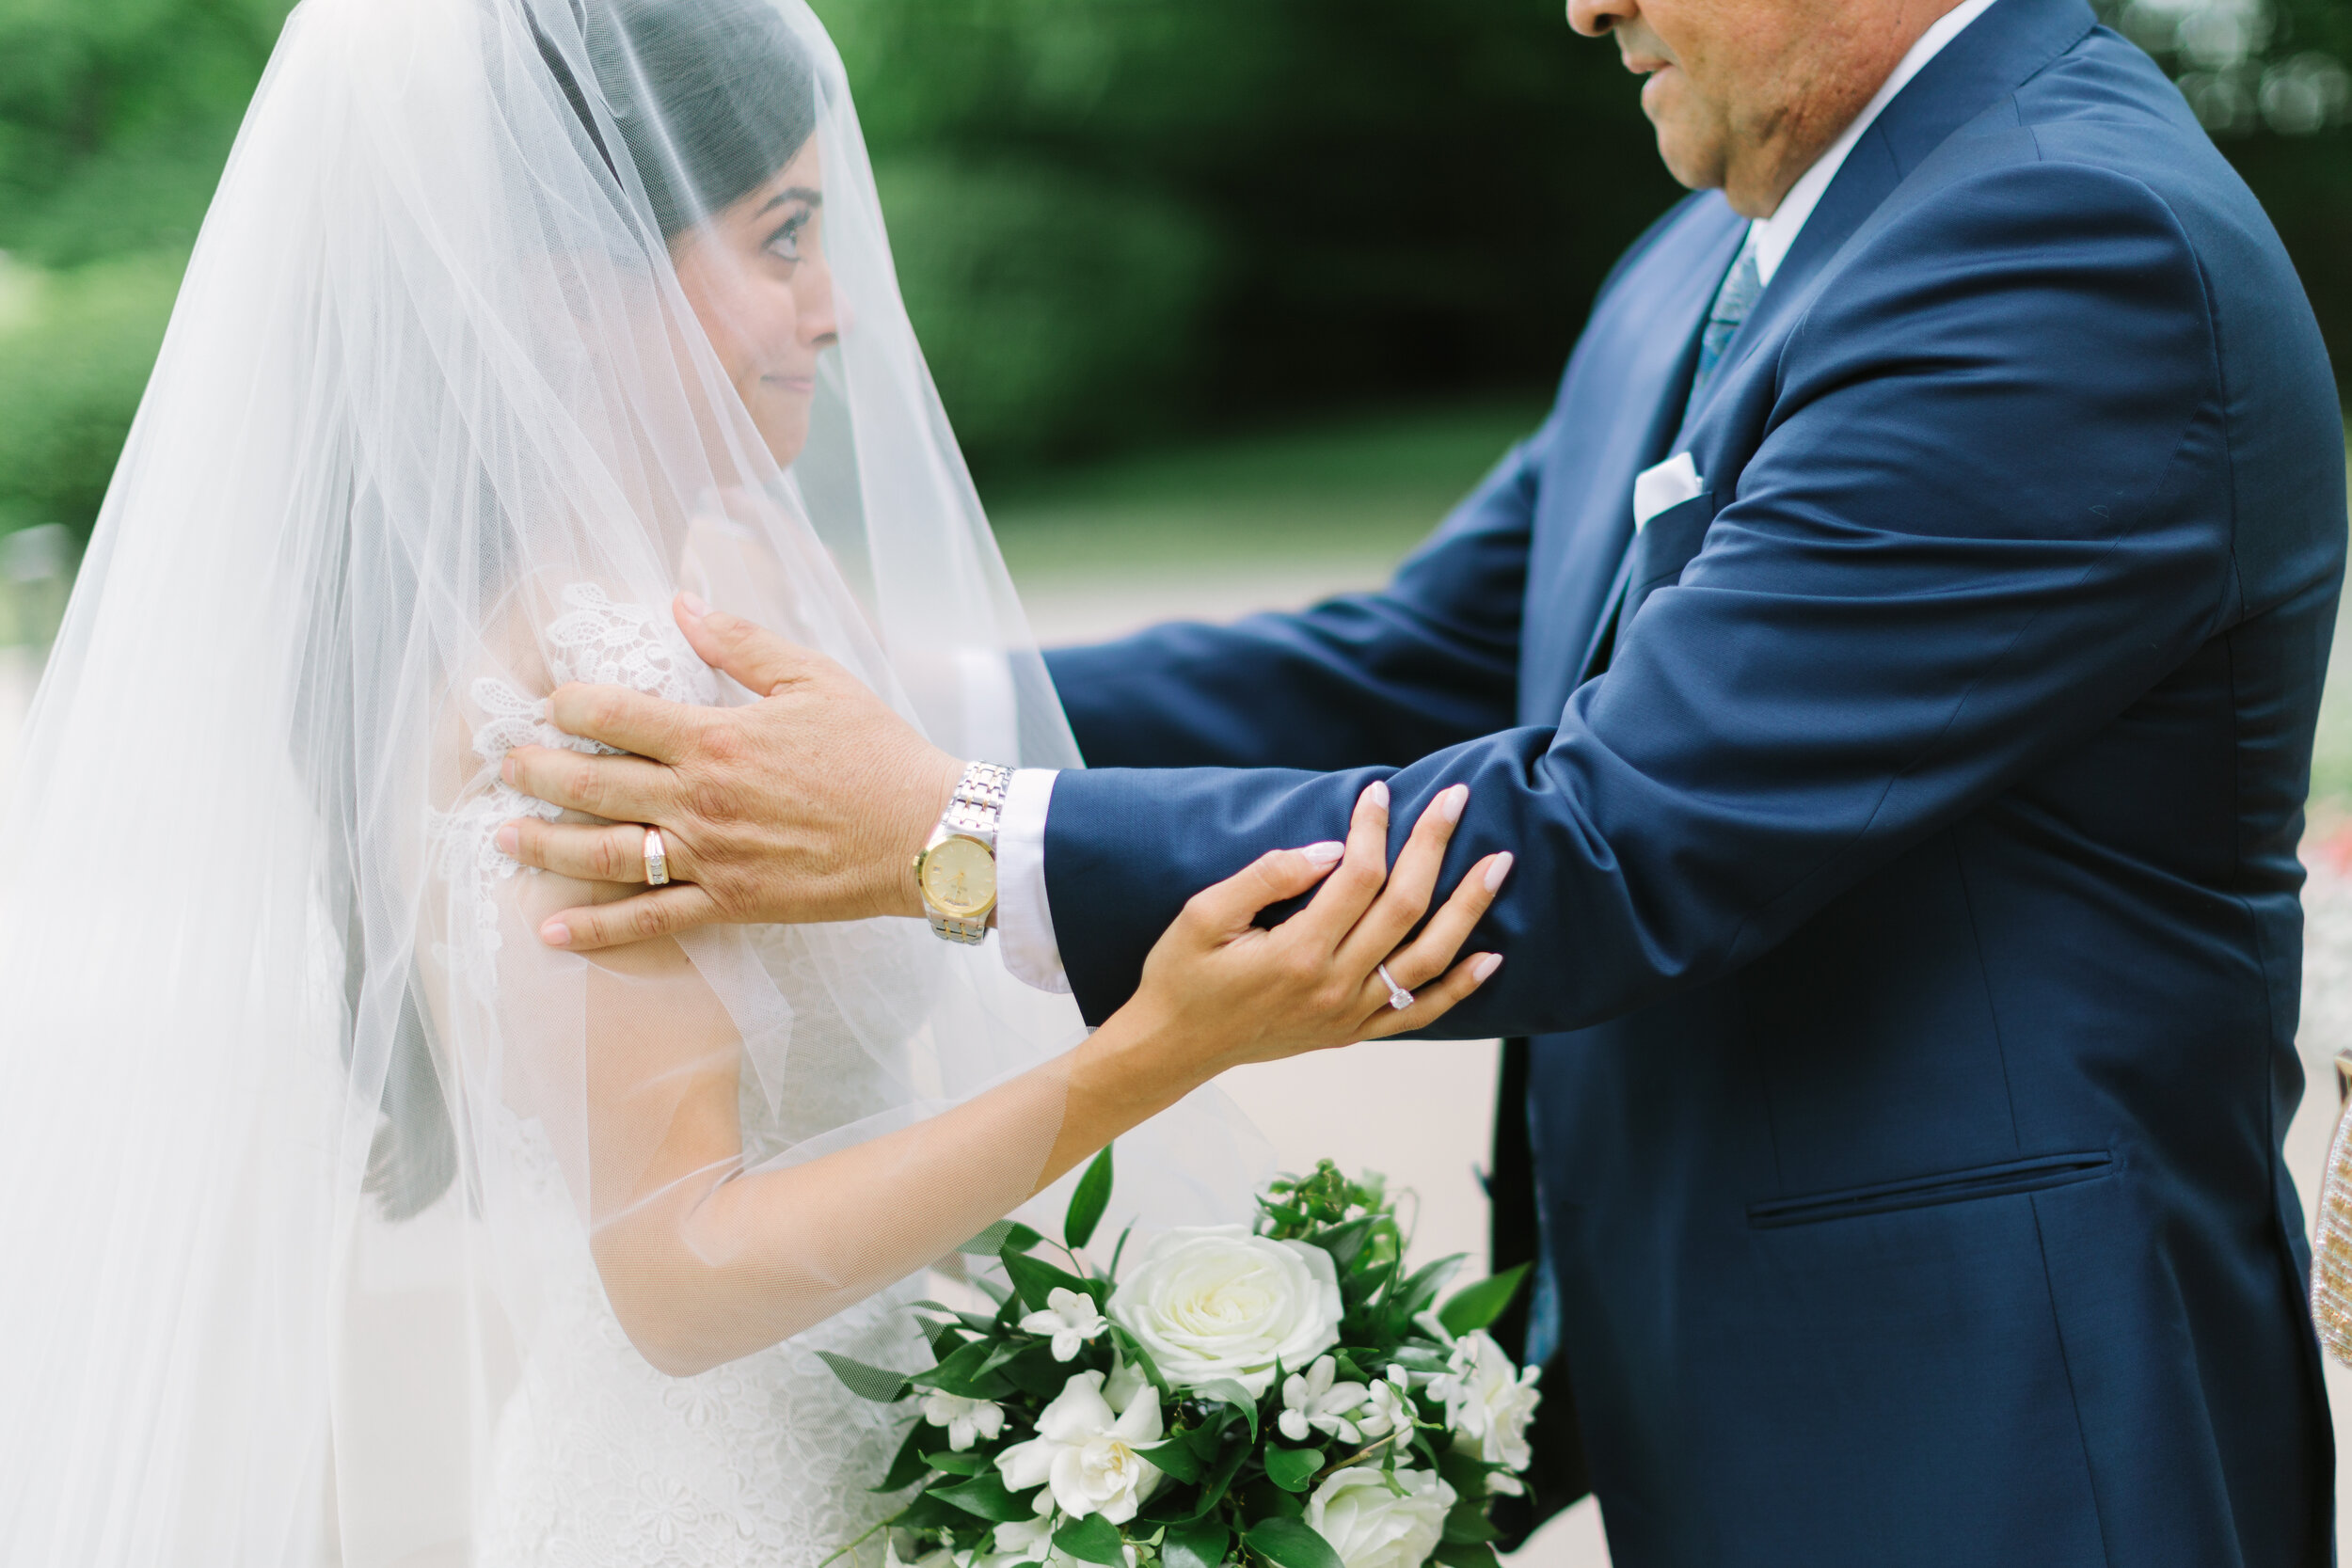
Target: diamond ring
column 1399, row 997
column 657, row 858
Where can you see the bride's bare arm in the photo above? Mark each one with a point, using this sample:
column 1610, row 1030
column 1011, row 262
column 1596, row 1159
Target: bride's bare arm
column 703, row 1264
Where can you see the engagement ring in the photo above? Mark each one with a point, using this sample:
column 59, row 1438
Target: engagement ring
column 657, row 858
column 1399, row 997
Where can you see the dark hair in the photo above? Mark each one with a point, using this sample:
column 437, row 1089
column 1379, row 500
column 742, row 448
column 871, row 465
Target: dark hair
column 711, row 97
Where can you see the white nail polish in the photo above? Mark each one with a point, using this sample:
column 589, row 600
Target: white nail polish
column 1496, row 872
column 1452, row 800
column 1485, row 964
column 1325, row 853
column 1377, row 794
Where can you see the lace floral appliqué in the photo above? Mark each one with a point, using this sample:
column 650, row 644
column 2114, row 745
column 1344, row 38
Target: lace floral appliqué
column 597, row 641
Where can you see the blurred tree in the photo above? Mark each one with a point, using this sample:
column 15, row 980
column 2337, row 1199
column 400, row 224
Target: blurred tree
column 1115, row 219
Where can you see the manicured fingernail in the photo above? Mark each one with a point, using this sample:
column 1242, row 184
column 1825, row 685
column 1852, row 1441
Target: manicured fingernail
column 1500, row 870
column 506, row 771
column 1485, row 964
column 556, row 934
column 1378, row 793
column 694, row 605
column 510, row 838
column 1452, row 800
column 1325, row 854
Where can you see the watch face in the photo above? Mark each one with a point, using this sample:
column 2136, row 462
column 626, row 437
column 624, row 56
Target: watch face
column 960, row 877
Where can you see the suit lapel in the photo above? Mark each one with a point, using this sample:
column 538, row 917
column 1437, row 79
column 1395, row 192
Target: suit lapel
column 1619, row 404
column 1990, row 59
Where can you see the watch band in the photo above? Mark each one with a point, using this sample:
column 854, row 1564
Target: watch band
column 973, row 812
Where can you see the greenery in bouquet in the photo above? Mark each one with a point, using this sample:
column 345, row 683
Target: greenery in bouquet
column 1287, row 1394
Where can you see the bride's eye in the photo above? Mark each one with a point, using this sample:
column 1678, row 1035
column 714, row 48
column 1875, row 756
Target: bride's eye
column 785, row 244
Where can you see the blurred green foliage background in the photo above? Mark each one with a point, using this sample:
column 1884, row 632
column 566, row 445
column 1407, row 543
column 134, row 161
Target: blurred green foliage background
column 1120, row 224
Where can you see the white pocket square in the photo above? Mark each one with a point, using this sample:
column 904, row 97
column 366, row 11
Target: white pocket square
column 1670, row 483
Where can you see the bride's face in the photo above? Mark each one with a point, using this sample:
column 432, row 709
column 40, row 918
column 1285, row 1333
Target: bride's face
column 756, row 277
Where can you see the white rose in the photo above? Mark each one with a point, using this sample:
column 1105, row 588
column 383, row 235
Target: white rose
column 1086, row 1455
column 1488, row 1403
column 1371, row 1525
column 1211, row 1302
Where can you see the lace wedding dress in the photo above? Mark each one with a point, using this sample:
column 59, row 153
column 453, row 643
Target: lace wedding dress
column 599, row 1459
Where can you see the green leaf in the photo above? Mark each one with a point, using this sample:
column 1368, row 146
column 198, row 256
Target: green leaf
column 867, row 1381
column 1133, row 1349
column 1037, row 1281
column 913, row 1463
column 1208, row 1438
column 960, row 1464
column 1213, row 1490
column 1092, row 1539
column 1201, row 1544
column 1230, row 1392
column 1176, row 1457
column 1035, row 1372
column 1293, row 1470
column 1465, row 1523
column 1422, row 1289
column 1291, row 1543
column 1093, row 1195
column 966, row 1373
column 999, row 1238
column 986, row 1496
column 1465, row 1554
column 992, row 1291
column 1476, row 1306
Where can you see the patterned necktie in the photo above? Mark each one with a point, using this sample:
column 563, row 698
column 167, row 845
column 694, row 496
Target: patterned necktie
column 1732, row 301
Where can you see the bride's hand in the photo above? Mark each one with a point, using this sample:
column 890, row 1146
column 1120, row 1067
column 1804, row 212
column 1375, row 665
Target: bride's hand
column 1222, row 991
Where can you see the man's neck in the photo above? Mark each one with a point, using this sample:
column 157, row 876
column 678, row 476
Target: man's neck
column 1774, row 235
column 1852, row 87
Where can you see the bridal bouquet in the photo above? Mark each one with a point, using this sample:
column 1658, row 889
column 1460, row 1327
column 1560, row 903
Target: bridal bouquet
column 1286, row 1394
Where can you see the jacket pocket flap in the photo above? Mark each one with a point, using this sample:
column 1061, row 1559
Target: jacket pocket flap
column 1921, row 1192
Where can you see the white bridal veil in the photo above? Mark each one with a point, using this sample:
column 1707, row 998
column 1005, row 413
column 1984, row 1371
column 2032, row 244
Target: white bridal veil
column 511, row 319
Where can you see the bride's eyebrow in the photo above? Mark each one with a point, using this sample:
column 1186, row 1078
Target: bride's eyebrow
column 792, row 193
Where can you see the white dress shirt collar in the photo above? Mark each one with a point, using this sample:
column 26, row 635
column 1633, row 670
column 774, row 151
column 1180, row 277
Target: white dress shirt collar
column 1772, row 236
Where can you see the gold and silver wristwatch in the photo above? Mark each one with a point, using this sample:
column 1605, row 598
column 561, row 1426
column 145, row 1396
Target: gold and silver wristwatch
column 957, row 868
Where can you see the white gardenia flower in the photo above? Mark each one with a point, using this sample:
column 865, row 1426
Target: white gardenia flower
column 1086, row 1455
column 1312, row 1401
column 1488, row 1403
column 1386, row 1409
column 1372, row 1526
column 1211, row 1301
column 1070, row 1317
column 967, row 1420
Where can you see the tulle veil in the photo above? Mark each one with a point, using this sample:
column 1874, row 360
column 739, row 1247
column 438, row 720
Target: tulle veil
column 307, row 1144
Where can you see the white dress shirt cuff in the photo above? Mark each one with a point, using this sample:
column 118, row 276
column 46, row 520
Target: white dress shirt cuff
column 1024, row 921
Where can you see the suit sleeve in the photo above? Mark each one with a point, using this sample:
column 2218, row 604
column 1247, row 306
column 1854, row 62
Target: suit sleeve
column 1430, row 661
column 1980, row 522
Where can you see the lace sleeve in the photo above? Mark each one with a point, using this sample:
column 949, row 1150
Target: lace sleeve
column 626, row 1070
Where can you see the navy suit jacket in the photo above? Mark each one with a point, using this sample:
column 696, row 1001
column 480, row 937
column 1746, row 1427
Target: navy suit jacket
column 1906, row 926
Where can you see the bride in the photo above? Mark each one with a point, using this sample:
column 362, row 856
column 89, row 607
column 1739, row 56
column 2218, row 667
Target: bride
column 343, row 1220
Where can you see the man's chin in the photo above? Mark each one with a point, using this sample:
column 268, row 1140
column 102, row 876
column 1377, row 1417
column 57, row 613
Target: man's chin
column 1696, row 160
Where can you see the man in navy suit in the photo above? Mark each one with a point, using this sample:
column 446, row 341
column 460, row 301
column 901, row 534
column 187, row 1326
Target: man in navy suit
column 1894, row 665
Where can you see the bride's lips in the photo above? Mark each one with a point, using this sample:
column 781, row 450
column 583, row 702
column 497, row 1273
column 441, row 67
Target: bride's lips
column 800, row 385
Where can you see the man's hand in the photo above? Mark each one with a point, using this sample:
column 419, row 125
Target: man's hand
column 807, row 805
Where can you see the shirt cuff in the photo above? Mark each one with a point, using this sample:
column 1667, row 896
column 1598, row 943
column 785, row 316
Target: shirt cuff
column 1024, row 921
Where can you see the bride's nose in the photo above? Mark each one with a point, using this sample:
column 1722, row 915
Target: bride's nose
column 820, row 316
